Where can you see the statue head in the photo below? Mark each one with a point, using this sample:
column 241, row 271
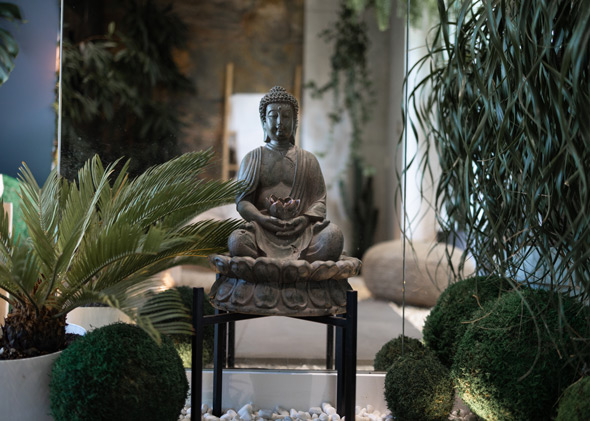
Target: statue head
column 278, row 95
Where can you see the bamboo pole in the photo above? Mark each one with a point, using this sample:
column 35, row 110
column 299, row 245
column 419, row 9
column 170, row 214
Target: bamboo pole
column 229, row 78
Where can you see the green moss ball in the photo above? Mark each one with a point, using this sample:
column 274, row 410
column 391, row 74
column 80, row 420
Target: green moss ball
column 445, row 325
column 391, row 350
column 117, row 372
column 419, row 388
column 574, row 405
column 506, row 369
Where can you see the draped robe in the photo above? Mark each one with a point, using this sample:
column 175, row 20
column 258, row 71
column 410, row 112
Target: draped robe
column 308, row 186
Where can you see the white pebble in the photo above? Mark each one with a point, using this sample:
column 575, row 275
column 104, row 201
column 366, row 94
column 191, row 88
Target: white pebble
column 325, row 406
column 293, row 413
column 324, row 417
column 330, row 410
column 334, row 417
column 370, row 409
column 265, row 413
column 210, row 417
column 245, row 412
column 281, row 411
column 315, row 410
column 204, row 408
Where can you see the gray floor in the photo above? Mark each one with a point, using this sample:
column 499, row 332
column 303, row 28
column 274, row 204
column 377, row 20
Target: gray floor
column 288, row 342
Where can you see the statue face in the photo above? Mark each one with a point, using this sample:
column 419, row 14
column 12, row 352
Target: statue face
column 279, row 122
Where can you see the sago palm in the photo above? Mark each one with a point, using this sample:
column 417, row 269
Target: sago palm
column 103, row 238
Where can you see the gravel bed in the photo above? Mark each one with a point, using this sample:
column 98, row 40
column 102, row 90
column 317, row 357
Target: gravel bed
column 324, row 412
column 249, row 412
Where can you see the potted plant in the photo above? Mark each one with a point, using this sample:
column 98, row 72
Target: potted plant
column 102, row 238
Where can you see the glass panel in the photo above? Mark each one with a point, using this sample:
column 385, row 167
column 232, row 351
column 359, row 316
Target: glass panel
column 116, row 102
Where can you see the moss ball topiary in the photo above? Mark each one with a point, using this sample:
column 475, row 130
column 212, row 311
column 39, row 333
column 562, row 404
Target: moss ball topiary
column 445, row 325
column 574, row 405
column 419, row 388
column 391, row 350
column 506, row 369
column 118, row 372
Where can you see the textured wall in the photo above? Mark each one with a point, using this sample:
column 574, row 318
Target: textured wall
column 264, row 40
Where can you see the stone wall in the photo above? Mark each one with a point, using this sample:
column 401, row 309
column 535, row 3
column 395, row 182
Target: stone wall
column 262, row 38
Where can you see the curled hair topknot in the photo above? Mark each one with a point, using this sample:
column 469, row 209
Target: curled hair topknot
column 278, row 94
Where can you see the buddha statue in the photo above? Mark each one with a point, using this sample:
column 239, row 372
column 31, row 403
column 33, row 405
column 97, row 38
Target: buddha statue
column 287, row 258
column 285, row 199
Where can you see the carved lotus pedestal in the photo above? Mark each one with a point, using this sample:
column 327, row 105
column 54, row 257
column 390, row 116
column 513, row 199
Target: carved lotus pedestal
column 269, row 286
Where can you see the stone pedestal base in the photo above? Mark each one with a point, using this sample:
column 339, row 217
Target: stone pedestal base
column 269, row 286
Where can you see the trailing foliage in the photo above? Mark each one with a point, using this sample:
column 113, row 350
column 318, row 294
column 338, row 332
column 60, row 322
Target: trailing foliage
column 117, row 89
column 383, row 8
column 353, row 95
column 453, row 313
column 8, row 46
column 505, row 105
column 419, row 388
column 512, row 362
column 104, row 239
column 117, row 372
column 574, row 405
column 391, row 350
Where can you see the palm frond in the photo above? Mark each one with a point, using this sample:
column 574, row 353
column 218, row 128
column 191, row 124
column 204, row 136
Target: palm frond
column 5, row 238
column 100, row 240
column 40, row 215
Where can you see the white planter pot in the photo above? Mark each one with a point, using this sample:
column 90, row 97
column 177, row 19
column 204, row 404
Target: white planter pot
column 24, row 386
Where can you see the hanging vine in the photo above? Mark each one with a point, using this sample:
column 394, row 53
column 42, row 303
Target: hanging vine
column 353, row 96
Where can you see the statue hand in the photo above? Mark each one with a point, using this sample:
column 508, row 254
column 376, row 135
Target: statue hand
column 270, row 223
column 294, row 226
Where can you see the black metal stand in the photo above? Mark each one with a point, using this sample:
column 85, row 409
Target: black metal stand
column 345, row 347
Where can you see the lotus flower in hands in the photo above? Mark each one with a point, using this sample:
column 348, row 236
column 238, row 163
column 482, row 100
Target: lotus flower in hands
column 282, row 208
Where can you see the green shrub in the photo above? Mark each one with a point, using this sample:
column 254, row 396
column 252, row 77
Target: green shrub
column 574, row 405
column 505, row 369
column 117, row 372
column 418, row 387
column 391, row 350
column 445, row 324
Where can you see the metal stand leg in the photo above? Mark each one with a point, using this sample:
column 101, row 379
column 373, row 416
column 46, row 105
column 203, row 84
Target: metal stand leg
column 350, row 342
column 345, row 346
column 218, row 364
column 197, row 352
column 231, row 344
column 329, row 347
column 341, row 378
